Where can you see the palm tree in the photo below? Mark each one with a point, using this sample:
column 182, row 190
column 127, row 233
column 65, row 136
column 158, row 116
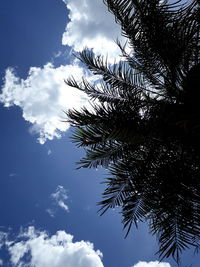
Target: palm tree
column 144, row 124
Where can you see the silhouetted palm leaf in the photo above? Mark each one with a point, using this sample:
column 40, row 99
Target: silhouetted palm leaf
column 144, row 121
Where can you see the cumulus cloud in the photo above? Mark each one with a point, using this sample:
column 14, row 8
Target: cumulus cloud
column 43, row 96
column 93, row 26
column 151, row 264
column 59, row 198
column 37, row 248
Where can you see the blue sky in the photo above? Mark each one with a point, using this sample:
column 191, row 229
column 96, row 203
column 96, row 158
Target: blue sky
column 44, row 201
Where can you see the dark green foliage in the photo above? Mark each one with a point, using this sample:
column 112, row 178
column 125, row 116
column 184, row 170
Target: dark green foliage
column 144, row 125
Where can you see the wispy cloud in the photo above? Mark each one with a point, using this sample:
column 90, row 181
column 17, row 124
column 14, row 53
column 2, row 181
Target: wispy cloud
column 49, row 152
column 51, row 212
column 12, row 174
column 58, row 54
column 44, row 250
column 59, row 198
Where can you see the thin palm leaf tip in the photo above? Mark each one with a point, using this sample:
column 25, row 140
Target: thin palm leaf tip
column 144, row 125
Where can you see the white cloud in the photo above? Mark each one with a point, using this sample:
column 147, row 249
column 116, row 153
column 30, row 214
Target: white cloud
column 63, row 205
column 59, row 198
column 1, row 262
column 43, row 96
column 57, row 250
column 92, row 25
column 151, row 264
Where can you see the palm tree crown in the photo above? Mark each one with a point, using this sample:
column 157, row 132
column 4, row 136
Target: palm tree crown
column 144, row 125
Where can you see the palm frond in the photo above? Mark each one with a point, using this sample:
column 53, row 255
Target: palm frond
column 103, row 154
column 118, row 76
column 115, row 193
column 135, row 209
column 155, row 33
column 102, row 92
column 174, row 235
column 144, row 121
